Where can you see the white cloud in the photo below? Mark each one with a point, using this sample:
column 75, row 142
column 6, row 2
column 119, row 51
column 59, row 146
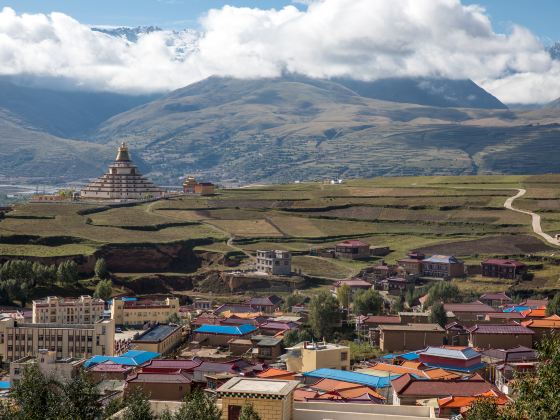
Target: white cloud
column 364, row 39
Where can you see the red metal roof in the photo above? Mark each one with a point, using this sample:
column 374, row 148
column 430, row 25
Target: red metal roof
column 496, row 296
column 478, row 307
column 352, row 243
column 504, row 262
column 408, row 385
column 499, row 329
column 381, row 319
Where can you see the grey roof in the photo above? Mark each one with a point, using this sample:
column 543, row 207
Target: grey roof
column 411, row 327
column 499, row 329
column 158, row 333
column 464, row 354
column 443, row 259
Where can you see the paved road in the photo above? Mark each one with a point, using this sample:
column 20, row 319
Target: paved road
column 536, row 219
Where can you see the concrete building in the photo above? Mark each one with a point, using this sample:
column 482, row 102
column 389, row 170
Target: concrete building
column 443, row 266
column 62, row 370
column 162, row 385
column 160, row 339
column 493, row 336
column 192, row 186
column 55, row 310
column 306, row 357
column 140, row 312
column 274, row 262
column 78, row 340
column 469, row 313
column 503, row 269
column 271, row 399
column 409, row 337
column 123, row 182
column 352, row 250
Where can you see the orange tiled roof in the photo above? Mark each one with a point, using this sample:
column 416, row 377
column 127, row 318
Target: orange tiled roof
column 333, row 385
column 273, row 373
column 243, row 315
column 460, row 402
column 412, row 365
column 439, row 373
column 436, row 373
column 356, row 392
column 535, row 313
column 302, row 394
column 396, row 369
column 548, row 322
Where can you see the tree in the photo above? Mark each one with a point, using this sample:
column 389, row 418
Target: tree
column 35, row 396
column 438, row 314
column 295, row 336
column 324, row 315
column 100, row 268
column 343, row 295
column 483, row 409
column 553, row 307
column 197, row 405
column 443, row 291
column 80, row 399
column 293, row 299
column 104, row 289
column 113, row 407
column 248, row 413
column 368, row 302
column 137, row 406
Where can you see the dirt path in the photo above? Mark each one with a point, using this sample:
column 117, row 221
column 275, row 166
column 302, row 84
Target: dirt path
column 536, row 219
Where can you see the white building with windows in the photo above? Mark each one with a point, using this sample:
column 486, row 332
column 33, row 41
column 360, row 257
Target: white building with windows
column 274, row 262
column 55, row 310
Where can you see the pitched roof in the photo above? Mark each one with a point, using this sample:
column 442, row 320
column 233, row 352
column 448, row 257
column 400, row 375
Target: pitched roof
column 519, row 353
column 271, row 300
column 304, row 394
column 478, row 307
column 409, row 385
column 548, row 322
column 447, row 259
column 504, row 315
column 535, row 302
column 110, row 366
column 177, row 377
column 503, row 262
column 459, row 402
column 353, row 283
column 496, row 296
column 411, row 327
column 499, row 329
column 272, row 373
column 130, row 358
column 352, row 243
column 353, row 377
column 466, row 353
column 381, row 319
column 226, row 329
column 185, row 364
column 536, row 312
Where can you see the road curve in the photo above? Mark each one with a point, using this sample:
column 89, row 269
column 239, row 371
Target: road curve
column 536, row 219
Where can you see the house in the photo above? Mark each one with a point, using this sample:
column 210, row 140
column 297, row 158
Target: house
column 130, row 358
column 160, row 339
column 412, row 264
column 443, row 266
column 409, row 337
column 354, row 285
column 266, row 348
column 267, row 304
column 392, row 284
column 504, row 317
column 499, row 336
column 407, row 389
column 305, row 357
column 469, row 313
column 543, row 326
column 503, row 268
column 329, row 375
column 165, row 386
column 273, row 373
column 272, row 399
column 503, row 364
column 456, row 334
column 461, row 359
column 192, row 186
column 452, row 406
column 414, row 317
column 220, row 335
column 109, row 370
column 414, row 368
column 534, row 313
column 383, row 271
column 535, row 303
column 274, row 262
column 352, row 249
column 495, row 300
column 62, row 370
column 273, row 328
column 234, row 367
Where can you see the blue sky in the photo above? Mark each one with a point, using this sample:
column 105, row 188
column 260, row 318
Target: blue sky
column 540, row 16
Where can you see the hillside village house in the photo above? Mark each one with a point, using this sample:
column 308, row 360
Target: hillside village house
column 468, row 313
column 413, row 263
column 409, row 337
column 443, row 266
column 55, row 310
column 78, row 340
column 166, row 386
column 140, row 312
column 306, row 357
column 459, row 359
column 502, row 268
column 352, row 249
column 495, row 300
column 354, row 285
column 494, row 336
column 543, row 326
column 266, row 304
column 275, row 262
column 220, row 335
column 192, row 186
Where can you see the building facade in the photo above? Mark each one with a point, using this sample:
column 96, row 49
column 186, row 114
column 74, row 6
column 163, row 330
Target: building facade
column 62, row 370
column 443, row 266
column 352, row 250
column 306, row 357
column 275, row 262
column 494, row 336
column 140, row 312
column 409, row 337
column 66, row 340
column 192, row 186
column 161, row 339
column 503, row 269
column 55, row 310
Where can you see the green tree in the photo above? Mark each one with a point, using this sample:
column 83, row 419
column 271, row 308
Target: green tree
column 553, row 307
column 35, row 396
column 174, row 318
column 438, row 314
column 367, row 302
column 113, row 407
column 137, row 406
column 445, row 292
column 100, row 268
column 248, row 413
column 104, row 289
column 295, row 336
column 80, row 399
column 484, row 409
column 293, row 299
column 324, row 315
column 343, row 295
column 197, row 405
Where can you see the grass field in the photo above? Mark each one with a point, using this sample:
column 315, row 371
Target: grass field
column 455, row 215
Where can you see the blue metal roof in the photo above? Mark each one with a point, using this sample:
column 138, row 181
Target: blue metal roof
column 469, row 369
column 353, row 377
column 409, row 356
column 226, row 329
column 517, row 308
column 130, row 358
column 5, row 385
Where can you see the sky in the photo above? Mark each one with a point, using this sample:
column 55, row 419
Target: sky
column 500, row 44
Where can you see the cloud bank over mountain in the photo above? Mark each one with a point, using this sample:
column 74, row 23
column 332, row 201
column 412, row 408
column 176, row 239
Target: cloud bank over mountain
column 360, row 39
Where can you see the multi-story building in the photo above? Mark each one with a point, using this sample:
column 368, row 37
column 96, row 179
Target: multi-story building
column 305, row 357
column 503, row 269
column 275, row 262
column 55, row 310
column 192, row 186
column 140, row 312
column 160, row 339
column 62, row 370
column 66, row 340
column 443, row 266
column 352, row 249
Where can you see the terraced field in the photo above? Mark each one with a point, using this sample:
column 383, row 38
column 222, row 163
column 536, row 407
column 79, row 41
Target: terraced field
column 459, row 215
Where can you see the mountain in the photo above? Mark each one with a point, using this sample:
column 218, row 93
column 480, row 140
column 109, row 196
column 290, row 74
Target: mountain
column 64, row 113
column 554, row 104
column 129, row 33
column 554, row 51
column 426, row 91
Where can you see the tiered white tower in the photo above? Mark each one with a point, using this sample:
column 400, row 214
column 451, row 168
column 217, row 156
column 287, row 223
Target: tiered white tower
column 122, row 182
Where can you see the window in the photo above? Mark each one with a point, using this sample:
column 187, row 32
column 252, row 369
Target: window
column 344, row 356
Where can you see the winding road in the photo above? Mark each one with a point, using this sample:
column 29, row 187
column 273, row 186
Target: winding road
column 536, row 219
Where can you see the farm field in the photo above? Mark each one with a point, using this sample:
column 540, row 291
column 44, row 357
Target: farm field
column 463, row 216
